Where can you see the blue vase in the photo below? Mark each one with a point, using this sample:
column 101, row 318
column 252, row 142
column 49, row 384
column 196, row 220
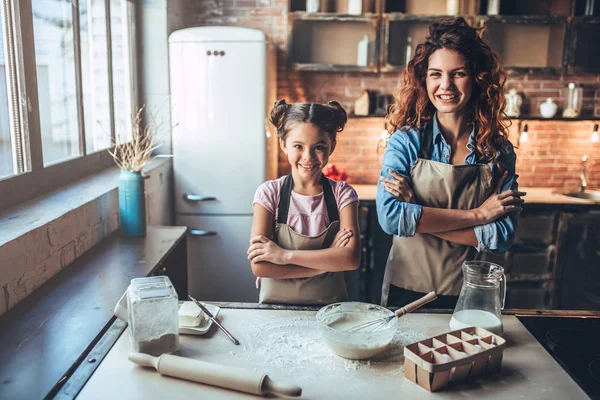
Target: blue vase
column 132, row 204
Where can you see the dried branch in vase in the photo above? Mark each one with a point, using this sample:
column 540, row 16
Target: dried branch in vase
column 135, row 154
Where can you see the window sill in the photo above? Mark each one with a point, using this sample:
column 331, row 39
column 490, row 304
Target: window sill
column 36, row 213
column 44, row 235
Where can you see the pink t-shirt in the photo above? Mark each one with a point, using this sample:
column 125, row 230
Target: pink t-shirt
column 307, row 214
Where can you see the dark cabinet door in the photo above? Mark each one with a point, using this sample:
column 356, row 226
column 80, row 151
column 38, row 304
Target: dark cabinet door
column 579, row 261
column 585, row 36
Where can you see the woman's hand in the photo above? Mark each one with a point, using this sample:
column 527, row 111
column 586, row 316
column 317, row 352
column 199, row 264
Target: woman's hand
column 398, row 187
column 264, row 249
column 499, row 203
column 341, row 238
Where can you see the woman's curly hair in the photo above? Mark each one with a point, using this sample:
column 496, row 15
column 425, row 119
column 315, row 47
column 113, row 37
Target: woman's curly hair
column 330, row 118
column 413, row 108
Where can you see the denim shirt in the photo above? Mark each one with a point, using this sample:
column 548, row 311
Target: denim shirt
column 401, row 219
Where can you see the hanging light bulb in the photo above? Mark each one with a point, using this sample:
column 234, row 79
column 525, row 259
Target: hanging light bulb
column 595, row 137
column 524, row 135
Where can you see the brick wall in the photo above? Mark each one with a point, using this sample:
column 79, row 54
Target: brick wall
column 28, row 261
column 551, row 157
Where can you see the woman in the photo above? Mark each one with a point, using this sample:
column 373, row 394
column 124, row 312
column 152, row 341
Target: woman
column 448, row 185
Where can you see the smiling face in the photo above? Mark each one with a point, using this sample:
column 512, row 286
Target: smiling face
column 308, row 149
column 449, row 83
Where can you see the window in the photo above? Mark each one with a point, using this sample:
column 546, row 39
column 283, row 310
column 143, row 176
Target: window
column 55, row 62
column 7, row 167
column 74, row 62
column 121, row 69
column 94, row 68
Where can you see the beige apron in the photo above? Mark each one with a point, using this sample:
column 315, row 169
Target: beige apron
column 326, row 288
column 425, row 262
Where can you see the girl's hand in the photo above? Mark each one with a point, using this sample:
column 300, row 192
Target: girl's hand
column 263, row 249
column 499, row 203
column 399, row 188
column 341, row 238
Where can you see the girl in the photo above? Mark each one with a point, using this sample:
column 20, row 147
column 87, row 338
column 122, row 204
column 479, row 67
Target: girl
column 305, row 226
column 448, row 182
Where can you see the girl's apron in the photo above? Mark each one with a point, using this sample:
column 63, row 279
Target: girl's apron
column 424, row 262
column 329, row 287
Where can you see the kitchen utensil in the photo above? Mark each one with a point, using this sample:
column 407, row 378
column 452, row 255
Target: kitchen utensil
column 152, row 307
column 376, row 324
column 213, row 319
column 481, row 298
column 451, row 357
column 334, row 319
column 215, row 374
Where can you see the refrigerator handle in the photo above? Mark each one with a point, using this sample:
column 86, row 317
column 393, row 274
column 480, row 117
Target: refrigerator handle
column 193, row 197
column 201, row 232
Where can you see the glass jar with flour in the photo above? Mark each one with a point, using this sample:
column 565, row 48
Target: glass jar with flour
column 152, row 306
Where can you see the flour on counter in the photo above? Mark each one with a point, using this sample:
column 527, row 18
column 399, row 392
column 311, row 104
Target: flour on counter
column 295, row 343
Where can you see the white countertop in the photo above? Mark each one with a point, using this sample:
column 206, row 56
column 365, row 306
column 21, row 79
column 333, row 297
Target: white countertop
column 286, row 345
column 535, row 195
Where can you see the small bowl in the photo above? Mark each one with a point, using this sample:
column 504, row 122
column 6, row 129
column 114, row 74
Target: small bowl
column 334, row 320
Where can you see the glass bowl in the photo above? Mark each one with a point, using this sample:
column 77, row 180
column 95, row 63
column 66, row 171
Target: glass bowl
column 335, row 320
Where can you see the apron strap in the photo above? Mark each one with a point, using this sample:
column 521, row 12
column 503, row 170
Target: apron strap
column 286, row 192
column 284, row 200
column 426, row 141
column 332, row 210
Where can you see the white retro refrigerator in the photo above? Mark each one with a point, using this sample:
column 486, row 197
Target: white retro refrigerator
column 223, row 84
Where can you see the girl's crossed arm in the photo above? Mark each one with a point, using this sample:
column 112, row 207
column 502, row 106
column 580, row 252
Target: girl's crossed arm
column 271, row 261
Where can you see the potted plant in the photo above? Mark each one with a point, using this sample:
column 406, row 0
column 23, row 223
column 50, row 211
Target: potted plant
column 131, row 157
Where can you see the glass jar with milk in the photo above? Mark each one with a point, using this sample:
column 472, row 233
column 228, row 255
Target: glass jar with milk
column 481, row 297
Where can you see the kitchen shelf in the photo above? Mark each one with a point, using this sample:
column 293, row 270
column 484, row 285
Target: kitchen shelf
column 536, row 7
column 533, row 36
column 401, row 35
column 544, row 48
column 334, row 6
column 521, row 118
column 584, row 35
column 329, row 42
column 539, row 118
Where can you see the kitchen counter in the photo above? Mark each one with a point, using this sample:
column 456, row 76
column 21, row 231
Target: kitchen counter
column 535, row 196
column 48, row 334
column 286, row 345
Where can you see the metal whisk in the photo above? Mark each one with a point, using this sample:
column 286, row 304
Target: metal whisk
column 379, row 323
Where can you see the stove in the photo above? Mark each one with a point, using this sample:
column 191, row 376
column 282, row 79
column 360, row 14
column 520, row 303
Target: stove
column 574, row 342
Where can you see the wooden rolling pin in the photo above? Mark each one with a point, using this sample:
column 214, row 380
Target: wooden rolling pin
column 214, row 374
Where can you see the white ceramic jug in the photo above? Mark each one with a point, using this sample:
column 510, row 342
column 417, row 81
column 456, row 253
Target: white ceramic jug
column 548, row 108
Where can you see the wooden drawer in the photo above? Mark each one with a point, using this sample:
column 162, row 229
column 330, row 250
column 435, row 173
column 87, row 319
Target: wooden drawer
column 529, row 295
column 534, row 262
column 538, row 227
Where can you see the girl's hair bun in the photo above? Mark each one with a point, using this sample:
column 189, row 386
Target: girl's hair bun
column 339, row 115
column 278, row 113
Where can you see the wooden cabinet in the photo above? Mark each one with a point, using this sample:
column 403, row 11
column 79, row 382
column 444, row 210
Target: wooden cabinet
column 401, row 35
column 584, row 35
column 556, row 36
column 553, row 263
column 578, row 273
column 530, row 262
column 326, row 42
column 528, row 43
